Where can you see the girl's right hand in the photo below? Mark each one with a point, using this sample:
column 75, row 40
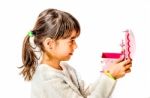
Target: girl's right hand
column 119, row 68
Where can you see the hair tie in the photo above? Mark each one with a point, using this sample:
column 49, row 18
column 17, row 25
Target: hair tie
column 30, row 34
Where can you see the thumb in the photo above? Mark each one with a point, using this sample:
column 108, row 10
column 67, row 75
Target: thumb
column 126, row 62
column 120, row 59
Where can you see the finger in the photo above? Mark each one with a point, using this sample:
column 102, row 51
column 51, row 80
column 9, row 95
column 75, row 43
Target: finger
column 128, row 70
column 127, row 66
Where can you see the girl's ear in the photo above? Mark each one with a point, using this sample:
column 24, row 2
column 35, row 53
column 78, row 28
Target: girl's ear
column 48, row 43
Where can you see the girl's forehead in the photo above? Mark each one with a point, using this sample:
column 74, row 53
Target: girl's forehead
column 74, row 34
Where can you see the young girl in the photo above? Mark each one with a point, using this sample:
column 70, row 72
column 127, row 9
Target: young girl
column 53, row 39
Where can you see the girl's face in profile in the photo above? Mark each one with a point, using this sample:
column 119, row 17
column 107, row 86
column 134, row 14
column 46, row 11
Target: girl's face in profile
column 64, row 48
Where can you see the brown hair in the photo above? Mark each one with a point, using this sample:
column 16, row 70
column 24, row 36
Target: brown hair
column 51, row 23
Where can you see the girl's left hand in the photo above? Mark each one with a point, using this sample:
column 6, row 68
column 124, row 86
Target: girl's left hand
column 119, row 68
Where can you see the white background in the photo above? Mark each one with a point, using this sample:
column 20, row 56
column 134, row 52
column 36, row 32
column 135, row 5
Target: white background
column 102, row 23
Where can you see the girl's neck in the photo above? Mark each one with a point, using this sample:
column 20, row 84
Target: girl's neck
column 51, row 62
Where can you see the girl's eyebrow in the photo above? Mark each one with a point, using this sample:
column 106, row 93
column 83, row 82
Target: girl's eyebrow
column 73, row 37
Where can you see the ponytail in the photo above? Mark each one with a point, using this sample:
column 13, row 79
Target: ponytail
column 29, row 59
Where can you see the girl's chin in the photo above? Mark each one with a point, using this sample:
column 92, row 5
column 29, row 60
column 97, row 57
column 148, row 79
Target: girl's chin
column 67, row 58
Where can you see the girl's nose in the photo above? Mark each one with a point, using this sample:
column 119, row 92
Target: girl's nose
column 75, row 45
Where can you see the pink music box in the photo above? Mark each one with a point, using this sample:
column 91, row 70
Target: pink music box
column 127, row 46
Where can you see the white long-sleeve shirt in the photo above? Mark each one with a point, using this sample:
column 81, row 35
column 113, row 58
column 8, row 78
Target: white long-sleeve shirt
column 48, row 82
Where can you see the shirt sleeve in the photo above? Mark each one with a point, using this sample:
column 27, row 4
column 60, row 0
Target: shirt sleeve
column 102, row 88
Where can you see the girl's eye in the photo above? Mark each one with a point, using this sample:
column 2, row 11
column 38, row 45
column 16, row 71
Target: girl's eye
column 71, row 41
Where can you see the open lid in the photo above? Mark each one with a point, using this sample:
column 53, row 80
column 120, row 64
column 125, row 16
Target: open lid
column 129, row 44
column 128, row 47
